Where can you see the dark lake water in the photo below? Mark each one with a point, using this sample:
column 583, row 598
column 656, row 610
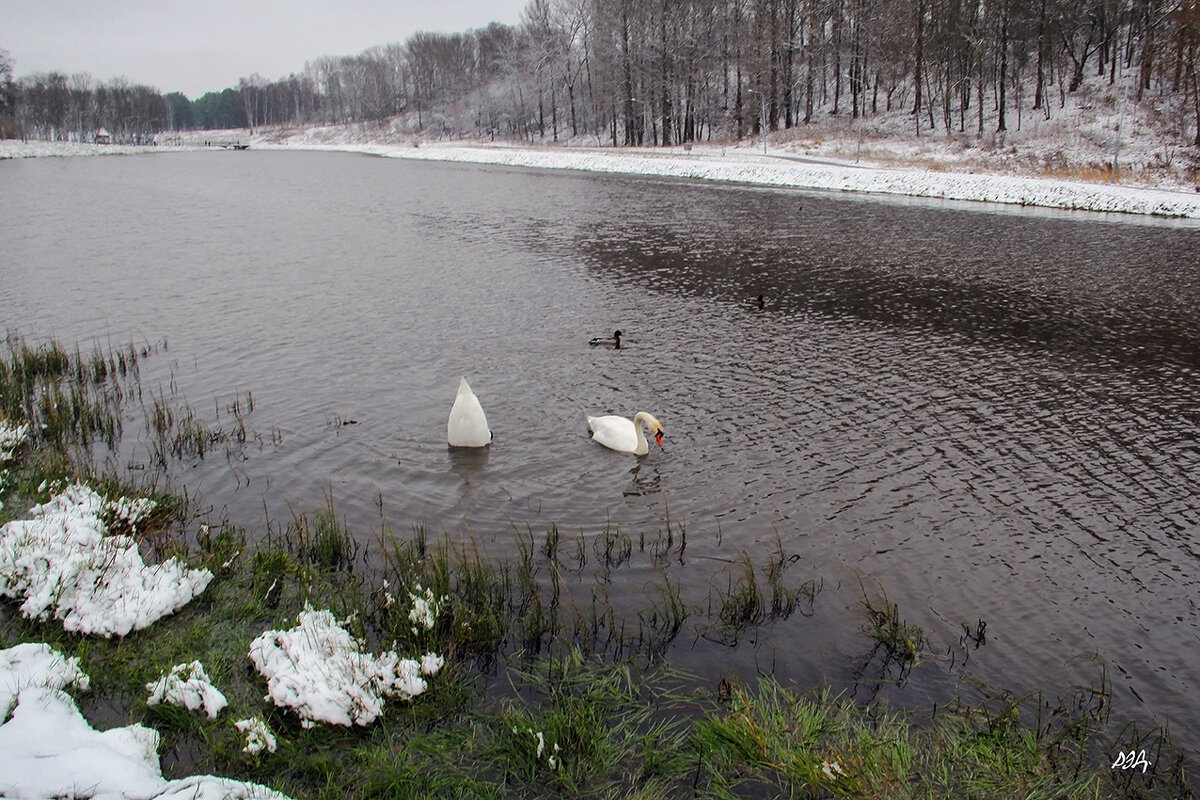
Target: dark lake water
column 991, row 414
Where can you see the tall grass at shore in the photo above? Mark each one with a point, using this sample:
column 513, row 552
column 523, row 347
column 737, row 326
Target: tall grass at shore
column 556, row 684
column 564, row 701
column 70, row 400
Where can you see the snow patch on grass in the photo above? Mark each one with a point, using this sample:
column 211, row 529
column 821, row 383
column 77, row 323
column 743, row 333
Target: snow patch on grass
column 62, row 563
column 320, row 671
column 12, row 436
column 258, row 735
column 35, row 665
column 188, row 685
column 47, row 748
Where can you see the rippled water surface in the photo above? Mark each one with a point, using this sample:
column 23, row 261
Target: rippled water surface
column 992, row 413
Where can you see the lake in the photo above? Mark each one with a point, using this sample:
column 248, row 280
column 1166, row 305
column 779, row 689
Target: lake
column 989, row 414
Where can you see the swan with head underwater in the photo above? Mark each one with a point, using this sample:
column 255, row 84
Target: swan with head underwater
column 613, row 341
column 626, row 435
column 467, row 425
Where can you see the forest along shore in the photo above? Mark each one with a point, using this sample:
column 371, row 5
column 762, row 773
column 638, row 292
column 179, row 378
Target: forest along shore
column 713, row 163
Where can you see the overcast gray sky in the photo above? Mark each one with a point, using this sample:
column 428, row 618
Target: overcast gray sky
column 197, row 46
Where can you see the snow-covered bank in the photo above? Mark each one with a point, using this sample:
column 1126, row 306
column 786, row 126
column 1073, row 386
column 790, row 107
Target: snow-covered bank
column 740, row 166
column 779, row 168
column 14, row 148
column 63, row 561
column 47, row 748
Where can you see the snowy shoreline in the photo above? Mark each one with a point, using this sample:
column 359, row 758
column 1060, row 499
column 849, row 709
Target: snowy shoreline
column 778, row 171
column 727, row 165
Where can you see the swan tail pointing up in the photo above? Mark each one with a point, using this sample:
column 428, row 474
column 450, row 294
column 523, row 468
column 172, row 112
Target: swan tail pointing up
column 467, row 425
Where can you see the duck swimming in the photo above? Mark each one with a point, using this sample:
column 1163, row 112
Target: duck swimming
column 614, row 341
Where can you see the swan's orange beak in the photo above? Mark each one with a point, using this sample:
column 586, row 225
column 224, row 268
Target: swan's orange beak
column 658, row 438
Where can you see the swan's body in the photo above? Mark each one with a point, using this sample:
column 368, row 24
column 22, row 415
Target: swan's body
column 614, row 341
column 467, row 426
column 625, row 435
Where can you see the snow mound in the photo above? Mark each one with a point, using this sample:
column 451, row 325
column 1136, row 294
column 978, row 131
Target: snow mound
column 319, row 670
column 38, row 665
column 47, row 748
column 258, row 735
column 62, row 563
column 188, row 685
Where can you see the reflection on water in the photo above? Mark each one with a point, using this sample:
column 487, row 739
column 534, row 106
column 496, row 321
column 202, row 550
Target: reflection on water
column 1090, row 288
column 466, row 462
column 995, row 415
column 646, row 479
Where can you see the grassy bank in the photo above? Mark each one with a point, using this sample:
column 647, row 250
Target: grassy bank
column 548, row 690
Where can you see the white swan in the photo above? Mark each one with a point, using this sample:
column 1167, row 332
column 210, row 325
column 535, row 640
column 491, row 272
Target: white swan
column 619, row 433
column 467, row 426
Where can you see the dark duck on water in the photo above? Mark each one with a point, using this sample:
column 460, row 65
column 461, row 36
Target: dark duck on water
column 613, row 341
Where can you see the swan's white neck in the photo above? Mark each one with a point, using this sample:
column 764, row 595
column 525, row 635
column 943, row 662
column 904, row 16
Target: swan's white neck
column 640, row 419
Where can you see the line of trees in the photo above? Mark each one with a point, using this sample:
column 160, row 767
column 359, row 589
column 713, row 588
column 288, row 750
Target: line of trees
column 661, row 72
column 639, row 72
column 57, row 107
